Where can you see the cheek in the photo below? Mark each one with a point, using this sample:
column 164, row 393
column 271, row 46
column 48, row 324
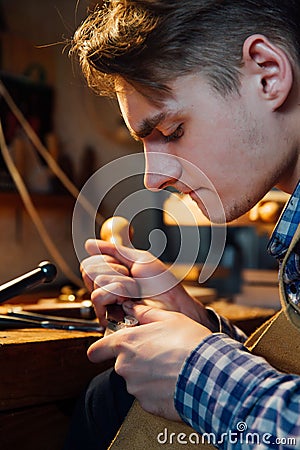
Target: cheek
column 216, row 157
column 229, row 148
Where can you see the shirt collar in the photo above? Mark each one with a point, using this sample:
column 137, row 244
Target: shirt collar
column 286, row 226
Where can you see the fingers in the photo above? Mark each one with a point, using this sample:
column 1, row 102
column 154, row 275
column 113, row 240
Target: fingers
column 146, row 314
column 120, row 345
column 127, row 285
column 124, row 255
column 116, row 345
column 101, row 298
column 119, row 342
column 125, row 342
column 100, row 264
column 95, row 263
column 102, row 350
column 109, row 294
column 107, row 277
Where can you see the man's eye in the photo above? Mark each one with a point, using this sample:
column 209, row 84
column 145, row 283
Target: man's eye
column 178, row 133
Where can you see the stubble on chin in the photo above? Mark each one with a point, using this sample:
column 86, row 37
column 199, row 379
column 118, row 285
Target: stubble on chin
column 212, row 210
column 220, row 215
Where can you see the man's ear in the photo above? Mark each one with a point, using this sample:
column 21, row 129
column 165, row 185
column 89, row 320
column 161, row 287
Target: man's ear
column 271, row 67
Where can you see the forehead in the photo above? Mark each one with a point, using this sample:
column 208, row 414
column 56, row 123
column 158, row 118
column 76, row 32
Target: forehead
column 155, row 96
column 135, row 103
column 128, row 94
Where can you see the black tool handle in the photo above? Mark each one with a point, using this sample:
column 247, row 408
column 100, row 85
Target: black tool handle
column 44, row 273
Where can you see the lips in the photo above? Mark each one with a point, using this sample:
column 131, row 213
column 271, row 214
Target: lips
column 193, row 195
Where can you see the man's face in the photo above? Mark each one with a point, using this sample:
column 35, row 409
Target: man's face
column 206, row 145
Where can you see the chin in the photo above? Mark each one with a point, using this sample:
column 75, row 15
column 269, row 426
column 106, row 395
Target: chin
column 235, row 212
column 220, row 215
column 218, row 220
column 213, row 210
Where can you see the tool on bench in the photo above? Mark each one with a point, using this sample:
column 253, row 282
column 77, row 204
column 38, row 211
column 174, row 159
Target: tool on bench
column 44, row 273
column 17, row 318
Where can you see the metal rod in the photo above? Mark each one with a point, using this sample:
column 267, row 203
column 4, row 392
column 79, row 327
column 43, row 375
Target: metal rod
column 44, row 273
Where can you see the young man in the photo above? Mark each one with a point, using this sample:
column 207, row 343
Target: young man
column 214, row 83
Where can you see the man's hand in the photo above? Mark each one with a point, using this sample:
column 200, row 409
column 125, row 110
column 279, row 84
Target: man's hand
column 151, row 355
column 115, row 274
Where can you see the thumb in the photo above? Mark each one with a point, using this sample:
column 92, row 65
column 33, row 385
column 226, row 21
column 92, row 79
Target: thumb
column 145, row 314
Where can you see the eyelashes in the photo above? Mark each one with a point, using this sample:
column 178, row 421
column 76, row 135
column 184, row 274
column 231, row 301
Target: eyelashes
column 177, row 134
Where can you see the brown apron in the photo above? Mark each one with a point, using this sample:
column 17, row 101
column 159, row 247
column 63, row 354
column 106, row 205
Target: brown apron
column 278, row 341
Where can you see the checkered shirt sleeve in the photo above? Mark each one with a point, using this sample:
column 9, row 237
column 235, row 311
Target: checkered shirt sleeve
column 286, row 226
column 222, row 385
column 226, row 327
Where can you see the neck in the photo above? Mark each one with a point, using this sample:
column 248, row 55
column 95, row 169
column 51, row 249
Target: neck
column 291, row 177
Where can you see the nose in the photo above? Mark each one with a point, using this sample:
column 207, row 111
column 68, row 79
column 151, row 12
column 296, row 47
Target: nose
column 161, row 170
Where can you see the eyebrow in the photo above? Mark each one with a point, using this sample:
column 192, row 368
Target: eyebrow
column 147, row 126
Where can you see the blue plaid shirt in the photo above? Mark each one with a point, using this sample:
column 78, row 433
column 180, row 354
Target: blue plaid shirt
column 233, row 398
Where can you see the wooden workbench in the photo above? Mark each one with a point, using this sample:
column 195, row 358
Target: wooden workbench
column 42, row 372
